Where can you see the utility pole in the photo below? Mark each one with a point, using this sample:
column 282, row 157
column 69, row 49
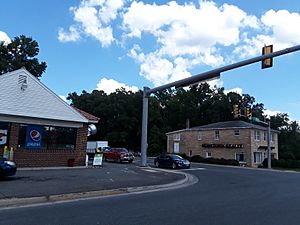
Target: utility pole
column 269, row 145
column 144, row 144
column 212, row 74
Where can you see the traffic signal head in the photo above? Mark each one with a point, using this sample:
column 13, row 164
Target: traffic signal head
column 268, row 62
column 248, row 112
column 236, row 111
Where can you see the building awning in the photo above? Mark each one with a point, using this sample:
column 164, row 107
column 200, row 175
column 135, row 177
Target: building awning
column 265, row 148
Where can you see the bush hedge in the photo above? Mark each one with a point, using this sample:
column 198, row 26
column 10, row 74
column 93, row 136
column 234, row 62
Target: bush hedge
column 198, row 158
column 283, row 163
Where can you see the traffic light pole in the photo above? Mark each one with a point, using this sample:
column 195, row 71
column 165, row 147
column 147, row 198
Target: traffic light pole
column 213, row 74
column 269, row 145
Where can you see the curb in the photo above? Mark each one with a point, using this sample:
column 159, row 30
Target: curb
column 19, row 202
column 249, row 168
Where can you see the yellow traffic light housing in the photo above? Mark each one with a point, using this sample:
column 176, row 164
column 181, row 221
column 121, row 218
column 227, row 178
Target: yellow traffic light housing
column 248, row 113
column 268, row 62
column 236, row 111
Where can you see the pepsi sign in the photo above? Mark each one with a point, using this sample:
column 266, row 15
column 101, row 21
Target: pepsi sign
column 34, row 136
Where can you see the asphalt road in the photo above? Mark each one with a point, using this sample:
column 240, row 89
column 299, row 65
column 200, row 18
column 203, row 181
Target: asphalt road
column 223, row 196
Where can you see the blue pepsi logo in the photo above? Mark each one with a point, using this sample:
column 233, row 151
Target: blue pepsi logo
column 35, row 135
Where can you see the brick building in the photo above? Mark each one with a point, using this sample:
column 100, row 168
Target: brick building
column 245, row 142
column 41, row 128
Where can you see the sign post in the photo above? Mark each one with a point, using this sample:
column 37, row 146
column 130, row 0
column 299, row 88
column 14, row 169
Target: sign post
column 98, row 158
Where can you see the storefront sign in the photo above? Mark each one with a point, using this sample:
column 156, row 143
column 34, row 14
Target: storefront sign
column 3, row 137
column 98, row 160
column 34, row 136
column 222, row 145
column 3, row 133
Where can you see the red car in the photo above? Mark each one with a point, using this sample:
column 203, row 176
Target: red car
column 118, row 155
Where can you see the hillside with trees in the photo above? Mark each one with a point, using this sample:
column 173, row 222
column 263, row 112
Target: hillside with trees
column 120, row 115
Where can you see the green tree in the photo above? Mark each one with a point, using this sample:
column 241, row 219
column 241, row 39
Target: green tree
column 21, row 52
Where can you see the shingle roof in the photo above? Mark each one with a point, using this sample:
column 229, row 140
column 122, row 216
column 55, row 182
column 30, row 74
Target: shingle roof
column 90, row 117
column 230, row 124
column 239, row 124
column 24, row 96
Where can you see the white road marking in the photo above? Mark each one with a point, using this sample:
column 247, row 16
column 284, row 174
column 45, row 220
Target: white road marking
column 153, row 171
column 196, row 169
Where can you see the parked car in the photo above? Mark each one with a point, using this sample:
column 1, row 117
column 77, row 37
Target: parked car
column 171, row 161
column 7, row 168
column 118, row 155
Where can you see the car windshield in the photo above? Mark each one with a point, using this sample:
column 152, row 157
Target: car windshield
column 176, row 157
column 120, row 150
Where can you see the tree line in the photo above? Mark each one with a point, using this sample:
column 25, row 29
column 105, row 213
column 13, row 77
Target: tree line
column 120, row 112
column 120, row 115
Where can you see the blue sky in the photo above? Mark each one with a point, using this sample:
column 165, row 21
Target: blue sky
column 105, row 44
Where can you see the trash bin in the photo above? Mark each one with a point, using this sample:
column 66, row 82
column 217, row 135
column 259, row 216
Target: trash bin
column 71, row 162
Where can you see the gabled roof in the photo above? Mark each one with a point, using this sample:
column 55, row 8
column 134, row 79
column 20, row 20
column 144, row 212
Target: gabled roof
column 236, row 124
column 91, row 118
column 230, row 124
column 23, row 95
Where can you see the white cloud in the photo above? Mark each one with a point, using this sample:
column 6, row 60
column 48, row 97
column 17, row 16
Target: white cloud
column 269, row 112
column 71, row 36
column 110, row 85
column 4, row 38
column 181, row 36
column 277, row 28
column 186, row 29
column 235, row 90
column 92, row 17
column 63, row 98
column 184, row 33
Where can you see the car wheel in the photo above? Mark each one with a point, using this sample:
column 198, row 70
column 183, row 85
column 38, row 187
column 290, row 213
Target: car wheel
column 130, row 161
column 119, row 160
column 156, row 164
column 174, row 166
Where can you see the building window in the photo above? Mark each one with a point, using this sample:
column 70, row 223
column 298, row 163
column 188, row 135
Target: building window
column 199, row 136
column 265, row 136
column 272, row 137
column 52, row 137
column 236, row 132
column 240, row 156
column 208, row 155
column 176, row 137
column 176, row 147
column 217, row 135
column 257, row 157
column 190, row 153
column 256, row 135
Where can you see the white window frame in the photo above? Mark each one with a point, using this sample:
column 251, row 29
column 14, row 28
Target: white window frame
column 176, row 137
column 272, row 137
column 217, row 135
column 256, row 135
column 265, row 136
column 255, row 159
column 208, row 155
column 199, row 137
column 239, row 153
column 176, row 147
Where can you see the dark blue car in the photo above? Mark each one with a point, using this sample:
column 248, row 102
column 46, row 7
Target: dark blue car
column 171, row 161
column 7, row 168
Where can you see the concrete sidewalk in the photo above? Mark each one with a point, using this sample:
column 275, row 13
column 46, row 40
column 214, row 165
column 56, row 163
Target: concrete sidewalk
column 37, row 185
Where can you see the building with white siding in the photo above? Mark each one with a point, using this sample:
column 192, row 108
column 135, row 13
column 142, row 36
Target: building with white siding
column 40, row 127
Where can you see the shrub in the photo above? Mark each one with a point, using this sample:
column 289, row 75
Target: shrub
column 283, row 163
column 198, row 158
